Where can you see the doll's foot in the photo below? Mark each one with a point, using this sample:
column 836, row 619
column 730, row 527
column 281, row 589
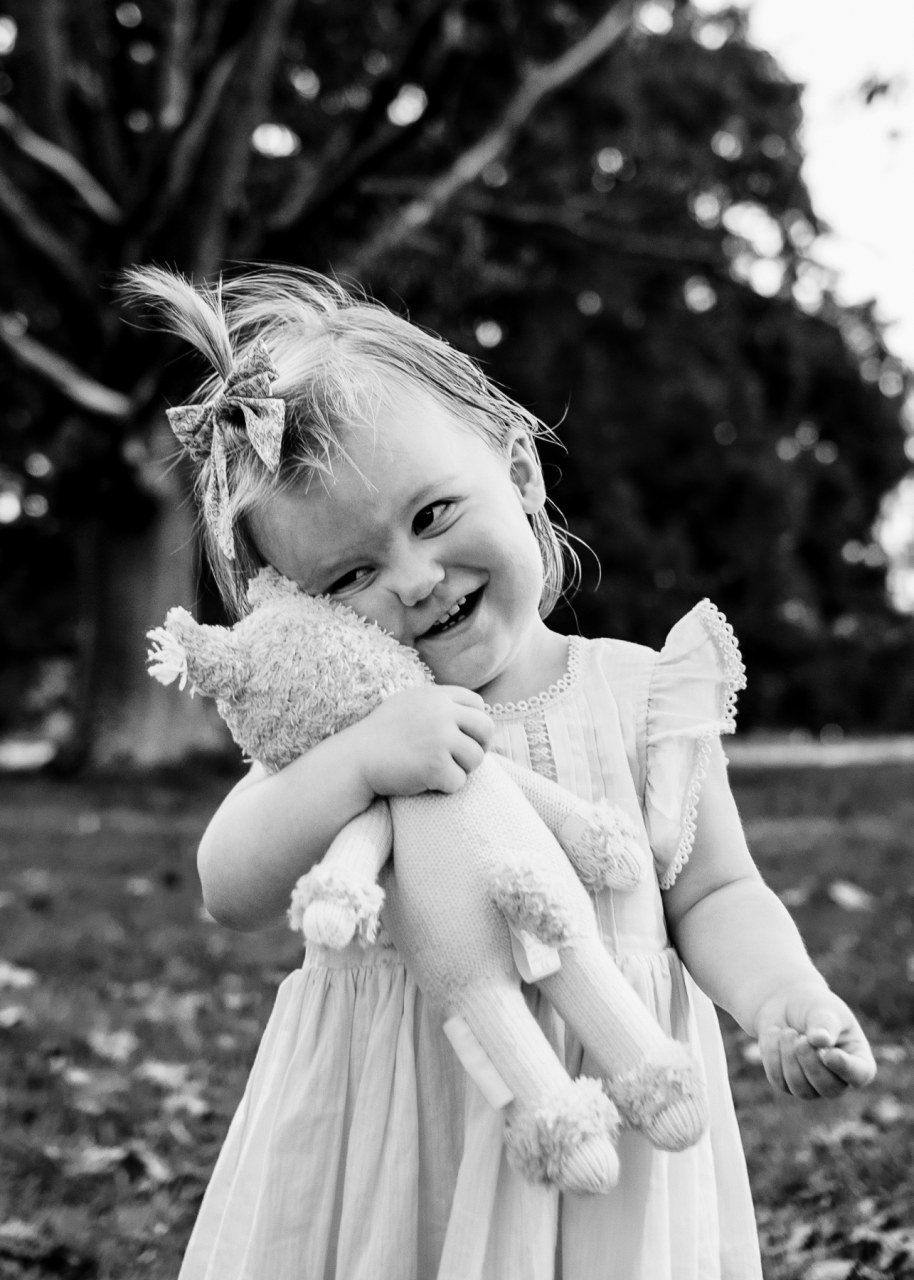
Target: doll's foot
column 568, row 1141
column 330, row 909
column 604, row 847
column 665, row 1099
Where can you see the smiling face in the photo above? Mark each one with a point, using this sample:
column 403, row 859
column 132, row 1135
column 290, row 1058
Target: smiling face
column 424, row 531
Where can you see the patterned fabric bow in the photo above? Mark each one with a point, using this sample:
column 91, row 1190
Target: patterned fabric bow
column 201, row 430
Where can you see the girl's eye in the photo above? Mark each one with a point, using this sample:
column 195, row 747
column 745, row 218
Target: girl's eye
column 431, row 516
column 348, row 581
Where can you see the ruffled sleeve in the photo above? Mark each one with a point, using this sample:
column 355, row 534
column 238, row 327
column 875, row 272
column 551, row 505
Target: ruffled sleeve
column 691, row 702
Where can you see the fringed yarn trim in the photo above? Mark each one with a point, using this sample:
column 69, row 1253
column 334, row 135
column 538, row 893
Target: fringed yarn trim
column 531, row 903
column 569, row 1140
column 665, row 1098
column 345, row 908
column 167, row 658
column 607, row 853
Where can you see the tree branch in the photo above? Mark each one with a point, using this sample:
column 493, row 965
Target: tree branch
column 537, row 83
column 104, row 133
column 44, row 37
column 229, row 152
column 186, row 149
column 354, row 143
column 58, row 161
column 174, row 81
column 36, row 232
column 62, row 374
column 622, row 240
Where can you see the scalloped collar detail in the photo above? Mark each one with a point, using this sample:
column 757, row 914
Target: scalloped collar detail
column 539, row 701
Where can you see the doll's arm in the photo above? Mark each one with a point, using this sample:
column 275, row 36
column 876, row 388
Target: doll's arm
column 339, row 898
column 600, row 839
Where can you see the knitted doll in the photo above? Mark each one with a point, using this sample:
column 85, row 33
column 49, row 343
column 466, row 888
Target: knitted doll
column 478, row 892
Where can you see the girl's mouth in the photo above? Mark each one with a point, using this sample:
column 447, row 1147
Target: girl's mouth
column 460, row 611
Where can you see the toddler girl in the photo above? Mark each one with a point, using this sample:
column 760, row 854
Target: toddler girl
column 370, row 462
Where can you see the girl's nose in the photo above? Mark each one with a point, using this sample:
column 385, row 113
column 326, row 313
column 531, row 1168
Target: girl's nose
column 414, row 577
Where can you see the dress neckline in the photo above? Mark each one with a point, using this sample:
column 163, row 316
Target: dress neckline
column 538, row 701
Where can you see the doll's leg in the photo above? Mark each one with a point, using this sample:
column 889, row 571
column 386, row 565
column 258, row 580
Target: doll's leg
column 654, row 1080
column 600, row 839
column 556, row 1130
column 340, row 897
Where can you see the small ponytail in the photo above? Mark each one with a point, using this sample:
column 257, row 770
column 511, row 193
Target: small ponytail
column 192, row 312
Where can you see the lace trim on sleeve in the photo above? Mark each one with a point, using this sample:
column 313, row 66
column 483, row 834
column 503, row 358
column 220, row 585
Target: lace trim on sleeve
column 734, row 680
column 734, row 669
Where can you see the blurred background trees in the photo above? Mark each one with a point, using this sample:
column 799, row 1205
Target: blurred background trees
column 602, row 202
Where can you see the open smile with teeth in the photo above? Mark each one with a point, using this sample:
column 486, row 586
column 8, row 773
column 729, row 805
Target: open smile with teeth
column 458, row 611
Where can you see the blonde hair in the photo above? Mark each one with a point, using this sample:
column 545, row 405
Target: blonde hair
column 334, row 351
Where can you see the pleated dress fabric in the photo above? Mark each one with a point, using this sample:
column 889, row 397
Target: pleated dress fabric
column 360, row 1151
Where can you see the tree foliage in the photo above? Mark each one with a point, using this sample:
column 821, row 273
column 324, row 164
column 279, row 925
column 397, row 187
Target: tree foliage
column 603, row 202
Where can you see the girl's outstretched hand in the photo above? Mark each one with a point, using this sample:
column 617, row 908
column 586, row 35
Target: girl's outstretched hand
column 811, row 1044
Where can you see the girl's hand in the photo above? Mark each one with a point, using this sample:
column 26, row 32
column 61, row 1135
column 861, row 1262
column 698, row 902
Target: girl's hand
column 424, row 739
column 812, row 1045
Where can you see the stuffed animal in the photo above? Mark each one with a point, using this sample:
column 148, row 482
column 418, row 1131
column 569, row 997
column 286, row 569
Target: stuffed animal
column 478, row 894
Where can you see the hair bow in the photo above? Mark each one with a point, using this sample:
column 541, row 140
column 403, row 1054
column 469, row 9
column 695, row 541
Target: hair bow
column 200, row 428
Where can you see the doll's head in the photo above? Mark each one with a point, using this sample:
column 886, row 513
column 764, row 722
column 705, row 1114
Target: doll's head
column 292, row 671
column 314, row 369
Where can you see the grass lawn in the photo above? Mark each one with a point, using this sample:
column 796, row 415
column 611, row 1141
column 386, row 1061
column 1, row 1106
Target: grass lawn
column 128, row 1022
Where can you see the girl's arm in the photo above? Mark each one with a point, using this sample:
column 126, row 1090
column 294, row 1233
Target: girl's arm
column 740, row 944
column 271, row 828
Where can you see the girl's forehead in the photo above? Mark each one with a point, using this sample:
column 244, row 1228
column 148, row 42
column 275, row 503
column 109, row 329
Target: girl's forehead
column 409, row 432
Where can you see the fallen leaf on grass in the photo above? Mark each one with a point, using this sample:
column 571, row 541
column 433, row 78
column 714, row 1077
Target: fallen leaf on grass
column 14, row 1015
column 95, row 1091
column 893, row 1053
column 115, row 1046
column 15, row 977
column 887, row 1110
column 887, row 1247
column 167, row 1075
column 137, row 1160
column 751, row 1052
column 798, row 895
column 189, row 1101
column 830, row 1269
column 139, row 886
column 17, row 1234
column 850, row 897
column 844, row 1131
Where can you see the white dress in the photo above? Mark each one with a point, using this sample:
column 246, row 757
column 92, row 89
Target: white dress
column 360, row 1152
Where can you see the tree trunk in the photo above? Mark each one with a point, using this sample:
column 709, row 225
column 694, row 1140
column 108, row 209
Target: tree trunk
column 137, row 721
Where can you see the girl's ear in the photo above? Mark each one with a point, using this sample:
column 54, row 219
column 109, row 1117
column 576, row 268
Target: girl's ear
column 526, row 474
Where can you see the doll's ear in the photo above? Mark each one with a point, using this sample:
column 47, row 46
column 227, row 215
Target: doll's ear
column 526, row 473
column 270, row 585
column 207, row 657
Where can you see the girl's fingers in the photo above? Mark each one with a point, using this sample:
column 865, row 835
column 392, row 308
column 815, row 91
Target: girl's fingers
column 476, row 724
column 465, row 697
column 824, row 1082
column 856, row 1069
column 467, row 753
column 792, row 1068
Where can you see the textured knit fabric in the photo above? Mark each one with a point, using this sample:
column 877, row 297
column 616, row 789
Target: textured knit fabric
column 359, row 1152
